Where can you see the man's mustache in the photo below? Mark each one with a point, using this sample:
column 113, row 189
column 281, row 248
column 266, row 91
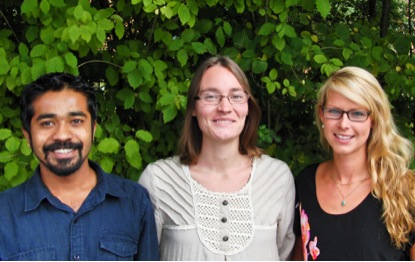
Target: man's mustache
column 62, row 145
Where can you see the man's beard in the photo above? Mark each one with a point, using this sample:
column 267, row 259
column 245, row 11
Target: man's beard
column 63, row 167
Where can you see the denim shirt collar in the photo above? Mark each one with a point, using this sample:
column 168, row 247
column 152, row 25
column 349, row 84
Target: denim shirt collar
column 35, row 190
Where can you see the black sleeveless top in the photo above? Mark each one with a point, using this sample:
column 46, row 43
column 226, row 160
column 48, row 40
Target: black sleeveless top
column 357, row 235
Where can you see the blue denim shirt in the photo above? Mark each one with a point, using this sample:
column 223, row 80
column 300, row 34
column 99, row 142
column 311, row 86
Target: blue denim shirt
column 115, row 222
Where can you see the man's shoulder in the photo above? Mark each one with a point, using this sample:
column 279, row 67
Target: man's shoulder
column 13, row 192
column 123, row 184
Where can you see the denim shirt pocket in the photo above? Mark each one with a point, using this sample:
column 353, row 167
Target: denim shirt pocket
column 118, row 247
column 41, row 253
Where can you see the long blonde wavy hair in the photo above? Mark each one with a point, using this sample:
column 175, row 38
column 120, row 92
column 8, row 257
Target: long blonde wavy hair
column 389, row 154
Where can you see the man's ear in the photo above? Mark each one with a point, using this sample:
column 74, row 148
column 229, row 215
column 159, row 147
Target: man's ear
column 27, row 136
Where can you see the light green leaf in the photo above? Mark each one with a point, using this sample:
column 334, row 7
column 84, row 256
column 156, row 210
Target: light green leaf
column 133, row 155
column 146, row 69
column 25, row 148
column 44, row 6
column 10, row 170
column 184, row 14
column 71, row 60
column 169, row 113
column 320, row 59
column 119, row 29
column 12, row 144
column 38, row 50
column 144, row 135
column 5, row 133
column 323, row 7
column 108, row 146
column 134, row 78
column 55, row 64
column 107, row 164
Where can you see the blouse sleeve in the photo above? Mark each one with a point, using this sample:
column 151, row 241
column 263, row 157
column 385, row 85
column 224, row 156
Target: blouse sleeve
column 149, row 181
column 285, row 235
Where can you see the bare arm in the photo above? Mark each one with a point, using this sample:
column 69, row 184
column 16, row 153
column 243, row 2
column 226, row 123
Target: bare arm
column 412, row 253
column 298, row 250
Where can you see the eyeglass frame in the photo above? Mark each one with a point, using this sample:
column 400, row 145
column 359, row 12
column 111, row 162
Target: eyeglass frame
column 221, row 97
column 347, row 113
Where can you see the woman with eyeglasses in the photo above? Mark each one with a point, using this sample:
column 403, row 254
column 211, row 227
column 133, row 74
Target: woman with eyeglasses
column 220, row 198
column 360, row 204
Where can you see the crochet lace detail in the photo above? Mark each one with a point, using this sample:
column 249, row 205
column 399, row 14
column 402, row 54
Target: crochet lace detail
column 224, row 221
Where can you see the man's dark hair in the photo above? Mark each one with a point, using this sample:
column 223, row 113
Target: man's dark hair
column 54, row 82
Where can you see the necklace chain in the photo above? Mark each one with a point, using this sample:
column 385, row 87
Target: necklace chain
column 343, row 203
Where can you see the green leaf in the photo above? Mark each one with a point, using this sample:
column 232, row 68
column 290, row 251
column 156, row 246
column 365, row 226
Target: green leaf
column 323, row 7
column 184, row 14
column 129, row 66
column 145, row 97
column 144, row 135
column 25, row 148
column 133, row 155
column 175, row 45
column 5, row 133
column 286, row 57
column 47, row 35
column 134, row 78
column 74, row 33
column 289, row 3
column 55, row 64
column 127, row 96
column 107, row 164
column 108, row 146
column 259, row 66
column 377, row 52
column 169, row 113
column 320, row 59
column 182, row 57
column 38, row 50
column 199, row 48
column 266, row 29
column 12, row 144
column 44, row 6
column 57, row 3
column 71, row 60
column 119, row 29
column 105, row 24
column 145, row 68
column 28, row 6
column 220, row 37
column 10, row 170
column 112, row 76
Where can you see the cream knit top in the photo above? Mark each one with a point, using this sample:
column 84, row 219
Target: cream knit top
column 193, row 223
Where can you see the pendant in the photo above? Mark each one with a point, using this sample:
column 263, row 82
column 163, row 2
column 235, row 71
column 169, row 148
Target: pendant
column 343, row 203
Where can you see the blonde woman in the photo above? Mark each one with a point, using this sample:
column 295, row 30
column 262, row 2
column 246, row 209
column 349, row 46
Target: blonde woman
column 359, row 205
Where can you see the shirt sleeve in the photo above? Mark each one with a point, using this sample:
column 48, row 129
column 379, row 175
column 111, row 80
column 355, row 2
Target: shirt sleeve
column 148, row 248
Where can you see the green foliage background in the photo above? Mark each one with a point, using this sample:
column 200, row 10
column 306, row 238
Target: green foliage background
column 141, row 55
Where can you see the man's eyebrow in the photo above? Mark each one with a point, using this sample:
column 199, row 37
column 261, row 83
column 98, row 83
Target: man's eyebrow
column 75, row 113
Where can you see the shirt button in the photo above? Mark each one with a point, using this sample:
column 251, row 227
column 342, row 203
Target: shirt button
column 225, row 238
column 76, row 257
column 225, row 202
column 75, row 221
column 224, row 219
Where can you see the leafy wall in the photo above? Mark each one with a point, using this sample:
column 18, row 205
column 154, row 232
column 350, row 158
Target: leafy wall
column 141, row 55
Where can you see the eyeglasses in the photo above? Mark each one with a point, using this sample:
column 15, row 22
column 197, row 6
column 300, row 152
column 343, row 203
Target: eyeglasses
column 215, row 99
column 353, row 115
